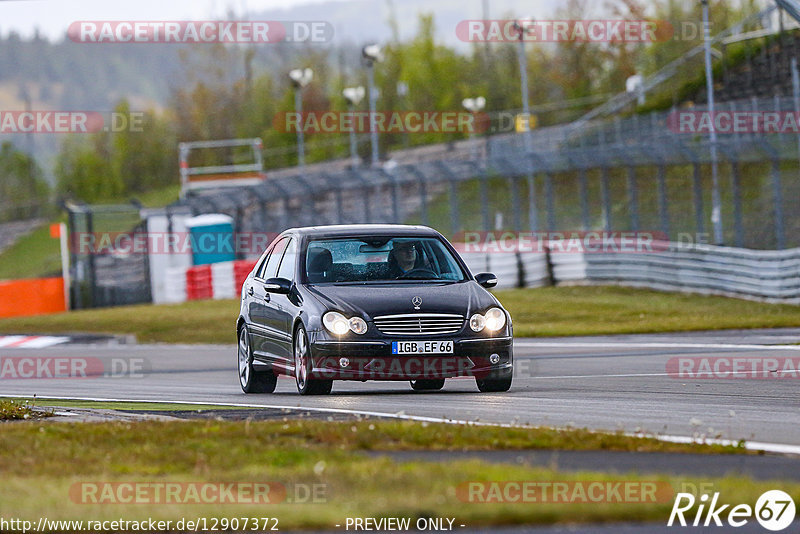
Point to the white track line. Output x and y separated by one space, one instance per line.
778 448
31 342
614 345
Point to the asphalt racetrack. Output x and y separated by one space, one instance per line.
603 383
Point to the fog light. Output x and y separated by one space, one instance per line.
344 362
494 358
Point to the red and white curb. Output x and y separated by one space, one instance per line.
31 342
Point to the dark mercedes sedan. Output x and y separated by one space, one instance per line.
370 302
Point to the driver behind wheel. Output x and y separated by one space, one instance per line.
403 258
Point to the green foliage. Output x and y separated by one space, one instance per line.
110 166
222 100
23 190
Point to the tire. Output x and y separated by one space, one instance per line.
494 383
430 384
303 366
252 381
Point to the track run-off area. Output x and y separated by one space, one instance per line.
633 383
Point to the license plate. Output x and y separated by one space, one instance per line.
422 347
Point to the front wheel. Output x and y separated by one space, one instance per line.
252 381
427 384
303 367
495 382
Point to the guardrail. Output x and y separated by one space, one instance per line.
772 276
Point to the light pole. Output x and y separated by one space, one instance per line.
523 27
354 96
716 208
300 78
372 53
474 106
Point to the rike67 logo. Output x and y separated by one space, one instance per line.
774 510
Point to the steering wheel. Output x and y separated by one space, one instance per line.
417 271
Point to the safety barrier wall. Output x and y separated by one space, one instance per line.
37 296
214 281
764 275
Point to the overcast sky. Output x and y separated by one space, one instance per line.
53 17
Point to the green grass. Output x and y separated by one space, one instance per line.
33 255
211 321
595 310
158 198
13 409
43 464
555 311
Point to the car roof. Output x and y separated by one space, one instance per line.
357 230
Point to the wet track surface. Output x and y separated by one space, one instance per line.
605 383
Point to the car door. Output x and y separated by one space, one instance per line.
280 309
264 348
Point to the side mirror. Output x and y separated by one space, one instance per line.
487 280
281 286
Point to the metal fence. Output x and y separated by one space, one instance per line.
624 174
100 277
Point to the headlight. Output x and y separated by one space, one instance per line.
495 319
358 325
336 323
477 322
339 325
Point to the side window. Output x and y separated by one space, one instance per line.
275 259
263 265
286 270
269 266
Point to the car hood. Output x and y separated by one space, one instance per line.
373 300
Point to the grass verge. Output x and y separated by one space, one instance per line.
12 409
555 311
34 255
47 468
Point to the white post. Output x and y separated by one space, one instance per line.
64 239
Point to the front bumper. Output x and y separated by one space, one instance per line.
373 360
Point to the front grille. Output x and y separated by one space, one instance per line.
420 323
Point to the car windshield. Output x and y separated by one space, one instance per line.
380 260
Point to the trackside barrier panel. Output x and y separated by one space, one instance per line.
39 296
216 281
767 275
222 280
240 271
198 283
175 285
